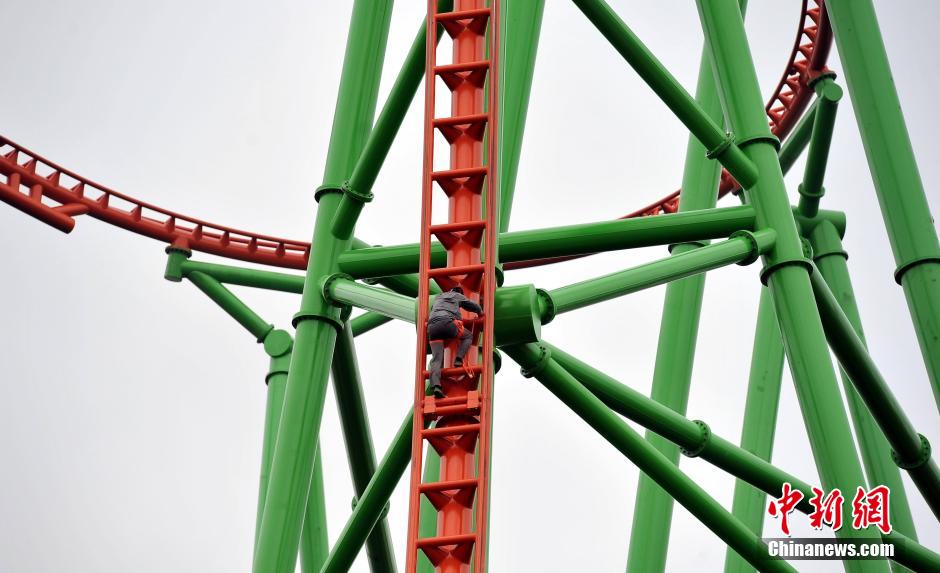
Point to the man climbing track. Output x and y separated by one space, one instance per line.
446 323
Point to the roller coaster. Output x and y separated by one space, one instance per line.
739 148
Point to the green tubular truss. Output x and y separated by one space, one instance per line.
910 226
807 305
675 351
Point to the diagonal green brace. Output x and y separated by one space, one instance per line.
786 268
696 440
719 144
911 228
830 258
372 502
317 323
675 351
911 450
760 421
357 434
536 362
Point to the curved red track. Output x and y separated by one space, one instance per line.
56 195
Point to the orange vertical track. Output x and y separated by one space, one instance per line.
458 425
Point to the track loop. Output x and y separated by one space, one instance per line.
56 195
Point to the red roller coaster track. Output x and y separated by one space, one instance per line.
55 195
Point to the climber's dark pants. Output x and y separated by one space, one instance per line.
440 331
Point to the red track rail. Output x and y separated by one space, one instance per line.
788 102
461 432
40 188
55 195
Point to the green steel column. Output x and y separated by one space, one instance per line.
347 386
786 270
894 170
536 362
362 174
317 322
520 24
278 346
910 450
372 502
811 189
314 545
314 541
760 421
675 352
831 258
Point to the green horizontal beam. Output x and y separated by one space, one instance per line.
536 362
283 282
695 441
743 248
254 278
517 307
657 77
231 304
372 502
911 450
580 239
343 291
811 190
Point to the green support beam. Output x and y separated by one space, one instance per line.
520 24
580 239
697 120
314 543
372 502
536 362
743 247
317 322
358 190
342 291
696 440
786 269
760 421
811 190
675 350
798 139
911 451
366 322
517 308
830 258
357 434
894 170
692 436
314 540
231 304
279 349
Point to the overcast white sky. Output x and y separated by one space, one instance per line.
131 408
